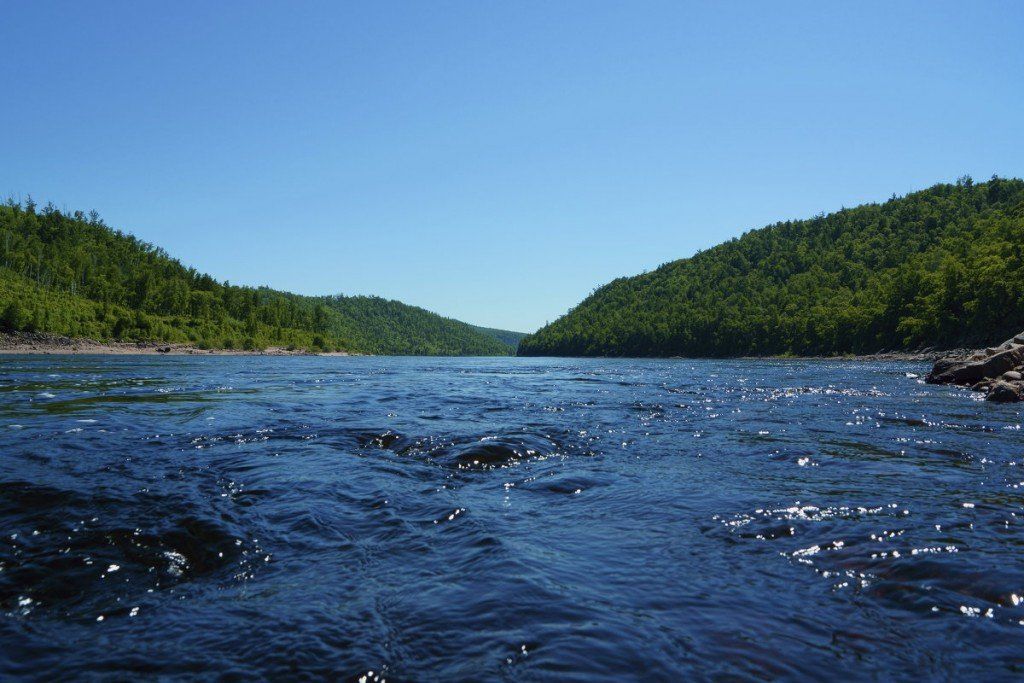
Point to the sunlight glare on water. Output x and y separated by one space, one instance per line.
402 518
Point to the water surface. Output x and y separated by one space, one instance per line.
504 518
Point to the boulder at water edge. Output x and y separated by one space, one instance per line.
998 371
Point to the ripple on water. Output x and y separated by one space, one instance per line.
75 555
890 554
327 518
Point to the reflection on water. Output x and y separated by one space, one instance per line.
504 518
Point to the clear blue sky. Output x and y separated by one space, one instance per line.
492 161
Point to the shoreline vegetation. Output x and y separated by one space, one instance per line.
940 268
918 275
70 275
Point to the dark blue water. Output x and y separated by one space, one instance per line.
505 519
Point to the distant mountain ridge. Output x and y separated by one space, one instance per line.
72 275
940 268
507 337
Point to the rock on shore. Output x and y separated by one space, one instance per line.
998 371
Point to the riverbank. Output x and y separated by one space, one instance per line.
41 343
998 371
926 356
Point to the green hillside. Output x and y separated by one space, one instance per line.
73 275
939 268
507 337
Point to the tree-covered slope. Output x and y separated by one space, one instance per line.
939 268
72 275
507 337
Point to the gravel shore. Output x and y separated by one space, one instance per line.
37 342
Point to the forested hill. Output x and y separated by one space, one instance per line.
939 268
508 337
74 276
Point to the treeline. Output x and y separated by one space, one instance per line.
508 337
940 268
72 275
